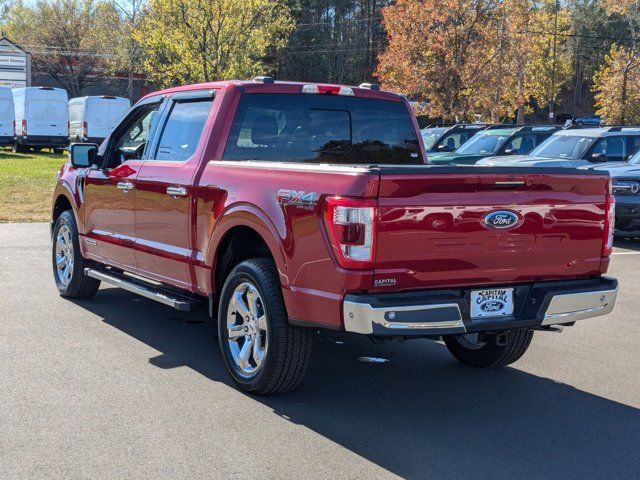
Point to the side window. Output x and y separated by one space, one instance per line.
613 148
183 129
454 140
521 144
633 145
130 138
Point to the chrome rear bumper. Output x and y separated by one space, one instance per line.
446 312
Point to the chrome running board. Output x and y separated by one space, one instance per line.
144 289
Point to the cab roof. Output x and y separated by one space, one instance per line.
253 86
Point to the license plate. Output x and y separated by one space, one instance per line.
495 302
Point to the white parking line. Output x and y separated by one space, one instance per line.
625 253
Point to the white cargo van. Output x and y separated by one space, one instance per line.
42 118
91 119
6 117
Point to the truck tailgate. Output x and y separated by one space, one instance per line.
432 230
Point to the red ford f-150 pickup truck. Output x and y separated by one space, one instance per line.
287 207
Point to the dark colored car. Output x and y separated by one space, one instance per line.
496 141
626 188
448 139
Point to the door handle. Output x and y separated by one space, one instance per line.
177 191
125 186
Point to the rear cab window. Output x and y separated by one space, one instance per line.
322 129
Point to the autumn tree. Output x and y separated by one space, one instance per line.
186 41
440 52
71 40
617 83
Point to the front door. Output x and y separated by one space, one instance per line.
164 195
110 191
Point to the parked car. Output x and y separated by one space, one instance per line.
7 117
577 148
448 139
289 207
594 120
626 188
91 119
496 141
41 118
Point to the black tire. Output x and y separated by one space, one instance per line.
491 354
288 348
17 148
79 285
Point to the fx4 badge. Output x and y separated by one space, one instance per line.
296 198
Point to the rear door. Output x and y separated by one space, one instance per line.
432 230
164 194
57 113
97 117
6 114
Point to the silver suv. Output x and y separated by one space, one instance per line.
577 147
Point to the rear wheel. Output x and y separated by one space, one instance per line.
262 351
485 351
17 148
68 263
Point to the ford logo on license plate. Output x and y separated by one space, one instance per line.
493 302
501 219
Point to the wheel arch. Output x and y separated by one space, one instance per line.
243 232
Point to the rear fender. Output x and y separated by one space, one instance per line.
244 215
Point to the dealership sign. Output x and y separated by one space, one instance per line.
14 65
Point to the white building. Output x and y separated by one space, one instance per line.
15 65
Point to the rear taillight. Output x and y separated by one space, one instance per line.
609 225
352 227
24 127
85 130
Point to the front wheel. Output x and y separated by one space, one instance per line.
485 351
68 263
262 351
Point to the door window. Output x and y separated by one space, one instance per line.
633 144
612 147
183 129
130 140
521 144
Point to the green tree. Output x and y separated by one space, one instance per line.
186 41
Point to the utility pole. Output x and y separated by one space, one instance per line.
553 67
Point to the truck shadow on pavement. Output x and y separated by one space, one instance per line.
420 415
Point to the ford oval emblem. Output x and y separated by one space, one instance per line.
501 219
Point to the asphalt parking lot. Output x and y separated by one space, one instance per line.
121 387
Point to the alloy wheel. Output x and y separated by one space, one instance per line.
64 255
247 328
